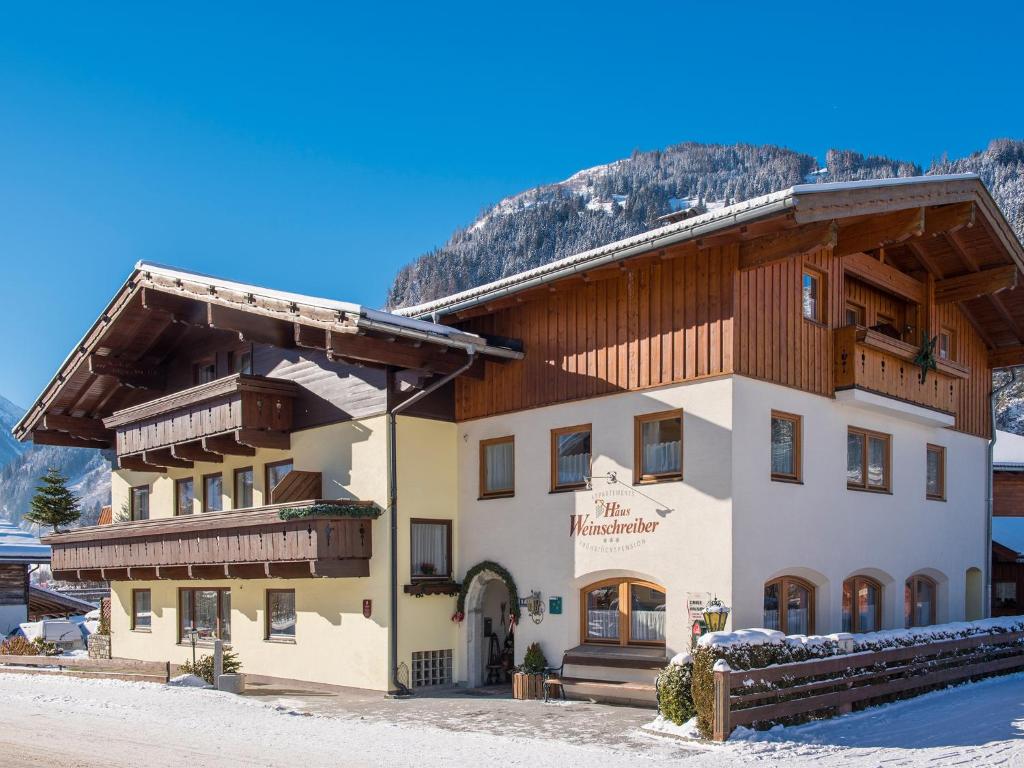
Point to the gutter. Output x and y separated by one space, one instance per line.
990 487
401 689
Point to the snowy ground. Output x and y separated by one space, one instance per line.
53 721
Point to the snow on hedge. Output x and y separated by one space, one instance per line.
868 641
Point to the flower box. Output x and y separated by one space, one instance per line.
527 685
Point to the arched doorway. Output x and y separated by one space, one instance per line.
488 605
623 611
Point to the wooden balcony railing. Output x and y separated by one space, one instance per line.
241 544
229 415
869 360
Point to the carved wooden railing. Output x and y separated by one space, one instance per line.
869 360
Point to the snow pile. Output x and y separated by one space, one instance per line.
662 726
741 637
681 659
188 681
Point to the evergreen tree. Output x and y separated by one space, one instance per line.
53 504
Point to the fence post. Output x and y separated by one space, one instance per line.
722 727
218 661
167 673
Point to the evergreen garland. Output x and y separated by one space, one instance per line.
363 511
53 504
500 572
926 357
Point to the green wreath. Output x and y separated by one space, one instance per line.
926 357
504 575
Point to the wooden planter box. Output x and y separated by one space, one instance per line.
527 686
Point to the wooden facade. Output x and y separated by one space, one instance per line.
1007 494
13 584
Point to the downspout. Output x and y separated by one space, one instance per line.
400 687
990 487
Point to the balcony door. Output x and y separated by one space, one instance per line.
623 612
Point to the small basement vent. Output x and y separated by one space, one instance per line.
431 668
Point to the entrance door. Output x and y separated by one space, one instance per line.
623 612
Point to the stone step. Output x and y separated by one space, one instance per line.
635 694
589 671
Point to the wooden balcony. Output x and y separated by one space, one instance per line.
874 362
242 544
235 414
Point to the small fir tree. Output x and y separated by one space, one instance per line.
53 504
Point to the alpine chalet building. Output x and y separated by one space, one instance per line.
783 403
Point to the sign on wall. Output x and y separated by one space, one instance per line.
613 520
695 602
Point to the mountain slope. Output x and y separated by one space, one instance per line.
10 448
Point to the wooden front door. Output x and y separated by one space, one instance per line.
623 612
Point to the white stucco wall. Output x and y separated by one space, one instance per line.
529 533
824 532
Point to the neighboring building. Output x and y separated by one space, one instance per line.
726 406
19 551
1007 524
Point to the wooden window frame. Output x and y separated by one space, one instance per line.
941 451
555 434
866 434
913 583
206 499
218 632
950 335
203 362
267 490
798 449
858 310
854 582
234 487
639 476
625 608
821 305
448 543
236 355
268 635
812 598
503 494
135 610
177 495
131 501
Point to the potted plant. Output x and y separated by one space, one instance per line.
427 569
528 680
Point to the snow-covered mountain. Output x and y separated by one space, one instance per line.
10 448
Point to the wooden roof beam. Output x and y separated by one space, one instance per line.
954 241
79 426
880 275
181 309
948 218
787 243
876 231
1006 357
195 452
250 327
345 344
226 445
129 374
43 437
164 457
263 438
137 463
974 284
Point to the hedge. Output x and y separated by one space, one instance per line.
675 691
367 511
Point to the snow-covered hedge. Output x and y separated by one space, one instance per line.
675 689
759 648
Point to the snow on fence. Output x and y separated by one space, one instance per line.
856 669
78 666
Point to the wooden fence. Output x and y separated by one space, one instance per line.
110 669
831 686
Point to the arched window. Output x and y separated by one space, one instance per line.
623 612
919 597
789 605
862 604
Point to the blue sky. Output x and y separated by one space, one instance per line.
317 148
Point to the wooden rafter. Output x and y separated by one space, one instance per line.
128 373
880 230
195 452
880 275
79 426
165 457
975 284
954 241
43 437
787 243
226 445
1006 357
948 218
137 463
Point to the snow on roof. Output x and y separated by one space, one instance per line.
18 546
1009 531
1008 453
696 226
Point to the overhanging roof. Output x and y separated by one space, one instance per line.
21 547
808 203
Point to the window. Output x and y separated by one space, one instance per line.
887 325
280 614
623 612
184 494
142 610
431 549
945 344
497 467
919 601
658 453
208 610
862 605
243 488
140 502
240 361
854 314
868 455
935 463
213 493
813 295
275 473
204 371
431 668
1004 595
787 456
570 457
789 606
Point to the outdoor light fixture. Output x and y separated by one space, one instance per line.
535 607
715 615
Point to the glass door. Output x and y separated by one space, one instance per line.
623 612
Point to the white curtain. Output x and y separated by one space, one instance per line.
603 624
647 625
771 619
661 458
796 621
429 547
499 467
573 468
